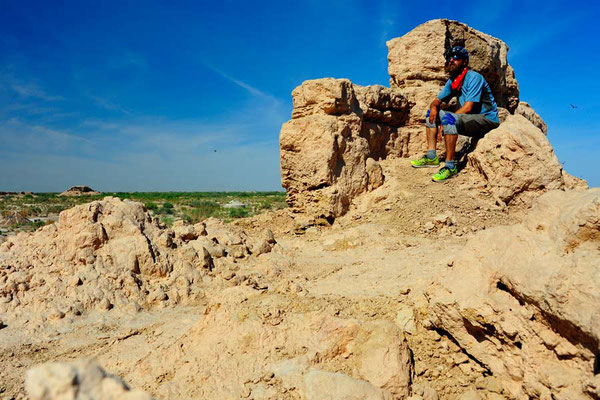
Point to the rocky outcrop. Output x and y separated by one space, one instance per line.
336 127
112 254
523 300
80 380
80 191
338 131
517 162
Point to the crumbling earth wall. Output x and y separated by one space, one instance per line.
330 147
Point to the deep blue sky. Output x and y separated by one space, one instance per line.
138 95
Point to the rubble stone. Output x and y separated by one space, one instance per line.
517 162
77 381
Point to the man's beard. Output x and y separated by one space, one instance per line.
454 70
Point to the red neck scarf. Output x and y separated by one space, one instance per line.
458 81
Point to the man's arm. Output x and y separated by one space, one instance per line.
433 110
466 108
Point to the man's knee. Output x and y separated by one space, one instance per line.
430 125
449 123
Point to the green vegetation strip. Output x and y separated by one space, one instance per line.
192 207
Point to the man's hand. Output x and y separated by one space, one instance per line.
432 115
433 110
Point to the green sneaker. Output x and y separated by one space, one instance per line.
425 162
444 173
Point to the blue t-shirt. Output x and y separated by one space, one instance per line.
474 89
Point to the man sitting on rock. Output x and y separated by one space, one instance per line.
476 116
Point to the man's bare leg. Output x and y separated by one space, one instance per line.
431 138
450 141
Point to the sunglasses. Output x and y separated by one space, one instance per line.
453 57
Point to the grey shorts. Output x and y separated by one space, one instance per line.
473 125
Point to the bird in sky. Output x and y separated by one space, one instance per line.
573 106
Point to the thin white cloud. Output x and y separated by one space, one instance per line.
47 113
170 139
251 89
59 136
234 150
108 105
389 20
31 90
253 167
167 139
238 151
15 125
387 25
21 136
